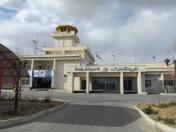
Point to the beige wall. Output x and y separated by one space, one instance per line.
77 83
61 74
156 82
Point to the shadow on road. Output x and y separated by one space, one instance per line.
94 115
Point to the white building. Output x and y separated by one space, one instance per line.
70 67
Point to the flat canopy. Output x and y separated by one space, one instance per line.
10 63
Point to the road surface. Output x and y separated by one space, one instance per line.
91 113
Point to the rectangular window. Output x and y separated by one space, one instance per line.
148 83
169 82
27 82
23 82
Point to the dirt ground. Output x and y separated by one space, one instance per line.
161 112
24 108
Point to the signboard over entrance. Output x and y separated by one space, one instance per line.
107 69
42 73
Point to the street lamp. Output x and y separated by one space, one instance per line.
170 62
167 61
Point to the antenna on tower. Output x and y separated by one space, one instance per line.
35 46
134 57
35 42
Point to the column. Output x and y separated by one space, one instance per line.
139 83
90 84
121 83
53 74
71 78
87 82
31 76
162 82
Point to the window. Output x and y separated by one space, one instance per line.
27 82
49 67
23 82
148 83
62 29
65 75
169 82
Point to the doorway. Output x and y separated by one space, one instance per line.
130 85
105 84
39 82
83 85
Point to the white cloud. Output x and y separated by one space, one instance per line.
12 4
121 26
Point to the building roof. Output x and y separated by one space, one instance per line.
9 66
66 25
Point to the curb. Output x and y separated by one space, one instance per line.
167 93
25 119
156 124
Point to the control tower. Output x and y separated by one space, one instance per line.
65 35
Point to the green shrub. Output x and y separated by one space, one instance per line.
148 110
169 121
163 105
173 103
10 113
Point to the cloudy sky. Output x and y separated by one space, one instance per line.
129 28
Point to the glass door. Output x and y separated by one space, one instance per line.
106 84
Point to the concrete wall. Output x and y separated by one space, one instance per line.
64 42
61 75
155 81
77 84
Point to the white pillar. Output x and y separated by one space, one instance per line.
162 82
90 83
87 82
53 75
139 83
71 88
121 83
31 77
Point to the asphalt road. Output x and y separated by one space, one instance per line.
92 113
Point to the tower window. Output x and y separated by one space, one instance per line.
68 29
62 30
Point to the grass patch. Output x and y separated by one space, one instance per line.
163 105
164 113
169 121
148 110
173 103
9 113
25 107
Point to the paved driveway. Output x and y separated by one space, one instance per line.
92 113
